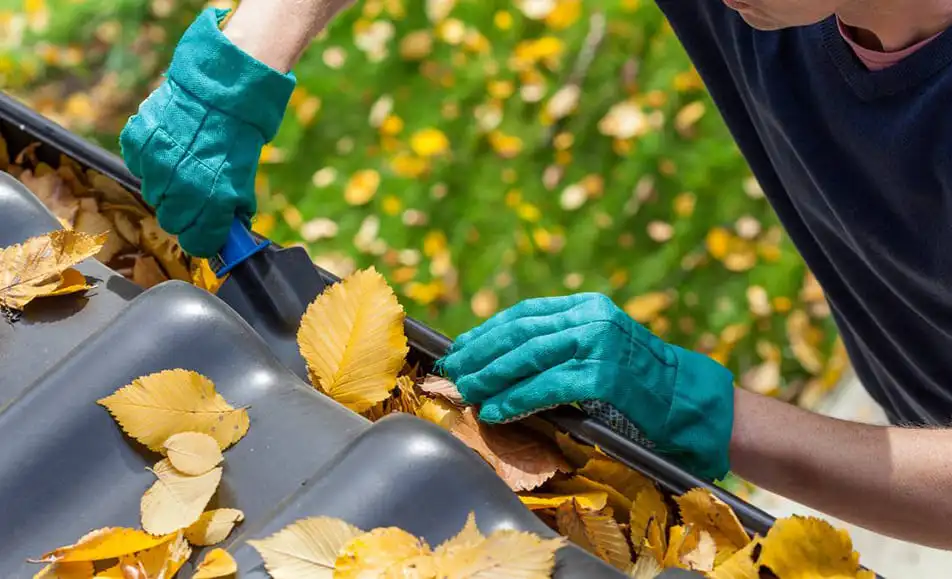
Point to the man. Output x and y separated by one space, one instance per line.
841 108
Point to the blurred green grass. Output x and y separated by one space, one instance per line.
481 152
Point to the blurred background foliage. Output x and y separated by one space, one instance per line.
479 152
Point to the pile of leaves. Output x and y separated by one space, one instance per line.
87 201
551 146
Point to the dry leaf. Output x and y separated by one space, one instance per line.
577 454
35 268
106 543
646 568
155 407
112 192
73 281
93 223
521 458
701 558
176 500
681 540
503 555
655 542
372 554
52 191
596 532
439 386
619 503
163 561
352 339
126 223
405 397
440 412
79 570
592 500
740 565
213 526
147 273
164 248
706 512
193 453
305 549
204 277
217 563
618 476
467 538
807 548
648 505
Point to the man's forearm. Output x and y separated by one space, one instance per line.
895 481
276 32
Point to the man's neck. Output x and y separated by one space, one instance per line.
891 25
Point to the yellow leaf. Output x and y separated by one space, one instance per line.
429 143
645 308
646 568
213 526
372 554
106 543
706 512
155 407
176 500
203 276
740 565
619 503
442 387
595 500
798 329
164 248
35 267
701 557
576 453
305 549
352 339
78 570
73 281
416 45
162 561
440 412
92 222
193 453
467 538
521 458
681 539
596 532
655 542
217 563
807 548
503 555
147 273
362 187
616 475
648 505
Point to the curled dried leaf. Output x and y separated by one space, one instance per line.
176 500
213 526
440 386
105 543
217 563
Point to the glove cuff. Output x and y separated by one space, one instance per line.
207 65
701 419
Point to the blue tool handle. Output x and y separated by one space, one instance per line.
239 246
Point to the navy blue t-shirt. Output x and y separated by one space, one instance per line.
858 166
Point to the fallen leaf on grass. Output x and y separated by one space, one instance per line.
596 532
176 500
105 543
213 526
522 459
352 339
305 549
155 407
193 453
217 563
595 500
439 386
36 267
806 547
372 554
706 512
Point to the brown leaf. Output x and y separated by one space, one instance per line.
523 460
125 223
52 191
94 223
112 192
36 267
596 532
164 248
439 386
147 273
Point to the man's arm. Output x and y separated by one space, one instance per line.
895 481
277 32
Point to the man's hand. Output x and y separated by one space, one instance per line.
546 352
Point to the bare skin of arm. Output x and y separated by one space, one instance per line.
894 481
277 32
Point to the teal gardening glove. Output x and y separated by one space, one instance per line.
196 140
547 352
